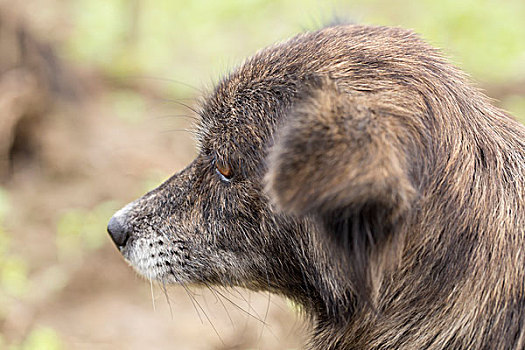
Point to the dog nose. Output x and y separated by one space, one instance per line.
118 233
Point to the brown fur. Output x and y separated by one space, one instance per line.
371 184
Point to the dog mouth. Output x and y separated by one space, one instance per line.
162 263
154 257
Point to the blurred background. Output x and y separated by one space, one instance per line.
96 100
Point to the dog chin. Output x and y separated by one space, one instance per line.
140 260
155 269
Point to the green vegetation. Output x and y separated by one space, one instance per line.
128 106
40 338
483 37
80 231
13 269
190 42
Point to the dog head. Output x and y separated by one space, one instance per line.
308 166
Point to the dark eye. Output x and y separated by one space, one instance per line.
224 170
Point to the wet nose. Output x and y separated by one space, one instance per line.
117 232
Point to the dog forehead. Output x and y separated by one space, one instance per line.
248 104
235 133
241 113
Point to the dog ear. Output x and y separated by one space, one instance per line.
341 159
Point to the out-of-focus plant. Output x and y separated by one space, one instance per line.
13 269
485 37
80 231
175 39
190 41
14 284
41 338
516 104
128 105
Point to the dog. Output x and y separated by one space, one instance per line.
356 172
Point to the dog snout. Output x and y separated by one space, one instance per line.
117 231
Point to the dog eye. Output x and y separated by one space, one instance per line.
224 170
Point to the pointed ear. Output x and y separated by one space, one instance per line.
341 159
